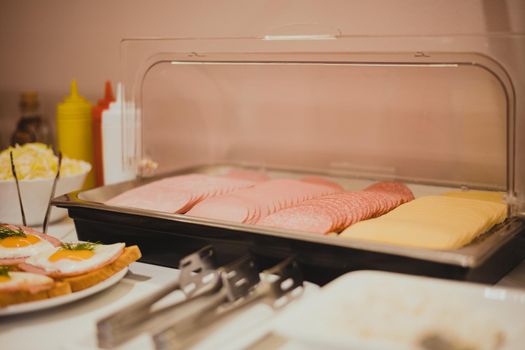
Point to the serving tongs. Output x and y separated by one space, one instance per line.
13 170
275 287
52 194
198 275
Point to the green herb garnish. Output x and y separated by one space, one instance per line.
8 232
4 271
79 246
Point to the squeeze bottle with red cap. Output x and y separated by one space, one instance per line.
74 126
103 104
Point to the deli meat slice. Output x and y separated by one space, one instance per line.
54 241
393 188
33 269
322 181
249 205
178 194
308 218
29 231
12 261
335 212
246 174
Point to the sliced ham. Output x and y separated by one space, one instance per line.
178 194
335 212
29 231
322 181
246 174
54 241
12 261
32 268
250 205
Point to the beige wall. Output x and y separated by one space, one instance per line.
44 44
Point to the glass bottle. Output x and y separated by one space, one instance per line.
31 127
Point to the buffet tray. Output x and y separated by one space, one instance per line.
164 238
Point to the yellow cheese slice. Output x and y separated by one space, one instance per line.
432 222
498 197
403 233
495 197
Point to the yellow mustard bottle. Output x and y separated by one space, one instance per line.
74 130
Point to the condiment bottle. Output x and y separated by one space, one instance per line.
74 129
102 105
31 127
112 140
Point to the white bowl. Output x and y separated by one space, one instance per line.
35 197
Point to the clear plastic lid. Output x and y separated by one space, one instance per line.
440 110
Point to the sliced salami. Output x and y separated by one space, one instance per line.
392 187
307 218
335 212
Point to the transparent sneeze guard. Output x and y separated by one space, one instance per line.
433 111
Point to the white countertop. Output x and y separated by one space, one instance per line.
72 325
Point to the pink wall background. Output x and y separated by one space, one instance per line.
45 44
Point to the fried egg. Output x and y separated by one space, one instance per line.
62 262
20 246
18 281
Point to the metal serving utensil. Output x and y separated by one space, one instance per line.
238 278
52 194
17 188
279 285
197 275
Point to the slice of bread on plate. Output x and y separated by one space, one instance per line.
20 287
89 279
69 268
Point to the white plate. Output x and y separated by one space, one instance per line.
64 299
380 310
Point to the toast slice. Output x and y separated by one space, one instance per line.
10 298
89 279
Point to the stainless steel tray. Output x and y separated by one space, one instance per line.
471 256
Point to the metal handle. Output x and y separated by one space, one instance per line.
112 333
277 289
169 337
197 276
53 188
13 170
185 334
135 312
